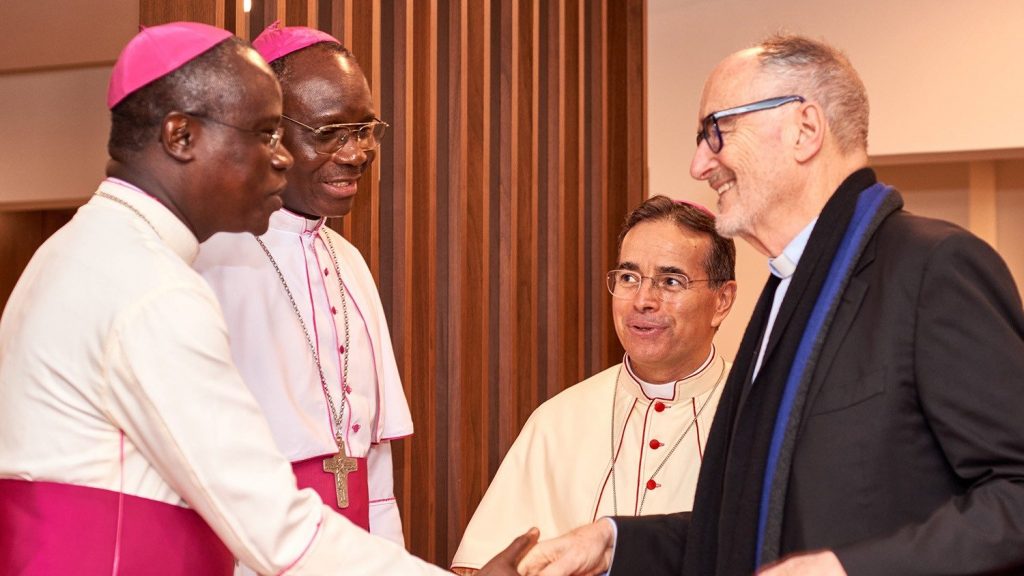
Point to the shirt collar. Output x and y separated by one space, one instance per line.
784 264
287 221
693 384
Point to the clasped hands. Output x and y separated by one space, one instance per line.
584 551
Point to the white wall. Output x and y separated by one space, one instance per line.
55 60
942 75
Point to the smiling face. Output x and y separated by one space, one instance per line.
324 87
667 341
752 172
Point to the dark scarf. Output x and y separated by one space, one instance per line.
737 516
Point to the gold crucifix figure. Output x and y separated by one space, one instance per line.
340 465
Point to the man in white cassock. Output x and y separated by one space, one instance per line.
308 331
128 442
629 440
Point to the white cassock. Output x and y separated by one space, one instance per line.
559 472
273 355
116 374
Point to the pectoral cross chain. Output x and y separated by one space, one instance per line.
340 465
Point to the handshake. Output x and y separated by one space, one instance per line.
584 551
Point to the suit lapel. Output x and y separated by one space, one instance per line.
846 313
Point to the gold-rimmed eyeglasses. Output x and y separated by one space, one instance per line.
330 138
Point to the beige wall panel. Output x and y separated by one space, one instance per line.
933 190
55 125
61 33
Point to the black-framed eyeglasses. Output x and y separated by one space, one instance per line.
333 137
709 131
270 137
625 284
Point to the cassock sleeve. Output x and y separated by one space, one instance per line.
517 499
384 519
969 371
179 399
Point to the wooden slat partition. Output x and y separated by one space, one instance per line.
490 216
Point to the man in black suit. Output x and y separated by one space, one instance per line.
872 423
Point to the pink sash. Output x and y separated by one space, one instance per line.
310 474
49 528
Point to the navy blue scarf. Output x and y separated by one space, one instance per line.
737 517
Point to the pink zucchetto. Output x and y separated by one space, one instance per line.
277 41
157 51
700 207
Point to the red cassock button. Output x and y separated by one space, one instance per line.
335 311
327 272
655 444
659 406
651 484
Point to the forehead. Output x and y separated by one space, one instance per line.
327 85
260 93
737 80
660 244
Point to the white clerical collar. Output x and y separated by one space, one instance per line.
287 221
784 264
666 390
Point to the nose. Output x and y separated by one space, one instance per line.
646 297
351 153
703 162
281 158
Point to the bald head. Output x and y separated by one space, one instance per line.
781 125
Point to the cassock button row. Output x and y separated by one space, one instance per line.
655 444
651 484
659 406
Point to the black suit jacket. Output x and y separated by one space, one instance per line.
909 458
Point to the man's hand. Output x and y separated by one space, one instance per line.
822 563
585 551
504 564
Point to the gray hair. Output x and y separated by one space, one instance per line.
824 74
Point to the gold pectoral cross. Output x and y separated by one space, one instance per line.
340 465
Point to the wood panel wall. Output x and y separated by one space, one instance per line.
490 216
21 233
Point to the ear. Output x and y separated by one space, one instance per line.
810 131
725 296
178 134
